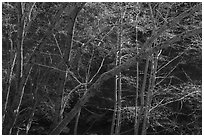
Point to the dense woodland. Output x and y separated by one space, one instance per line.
101 68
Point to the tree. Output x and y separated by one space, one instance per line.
25 19
116 122
126 65
57 58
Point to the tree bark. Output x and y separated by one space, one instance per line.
137 78
119 91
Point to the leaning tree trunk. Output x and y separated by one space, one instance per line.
73 10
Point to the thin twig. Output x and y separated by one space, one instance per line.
167 74
58 45
50 67
170 62
97 70
174 100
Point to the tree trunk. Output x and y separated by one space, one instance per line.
150 92
137 80
115 128
77 122
72 14
36 82
115 109
59 98
118 122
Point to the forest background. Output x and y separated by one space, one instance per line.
102 68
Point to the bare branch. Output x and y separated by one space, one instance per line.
58 46
105 76
97 70
160 105
168 74
172 23
170 62
50 67
181 36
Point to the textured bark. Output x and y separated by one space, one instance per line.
114 119
59 98
137 78
146 68
119 88
136 100
140 115
150 93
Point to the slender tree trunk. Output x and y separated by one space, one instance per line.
115 108
140 115
8 83
59 99
136 100
77 122
151 79
115 113
137 79
35 100
120 31
150 92
115 129
73 12
147 104
118 122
